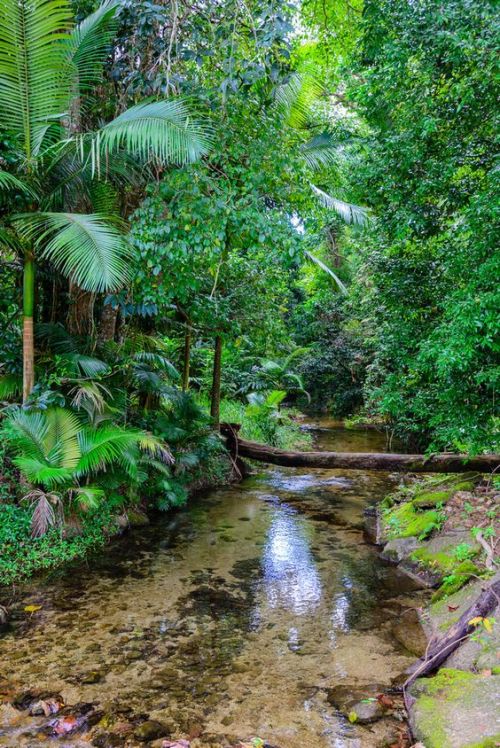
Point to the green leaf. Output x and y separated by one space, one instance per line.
34 82
86 248
163 130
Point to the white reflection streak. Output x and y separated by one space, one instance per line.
291 580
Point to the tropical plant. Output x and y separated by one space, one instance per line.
64 459
47 66
268 374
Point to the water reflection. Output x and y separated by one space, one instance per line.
290 579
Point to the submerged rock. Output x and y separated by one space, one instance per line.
150 730
366 711
408 631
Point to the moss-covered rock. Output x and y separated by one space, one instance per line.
454 708
406 521
433 498
456 579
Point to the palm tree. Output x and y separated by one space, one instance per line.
47 65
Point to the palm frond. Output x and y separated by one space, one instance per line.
160 130
86 366
349 212
87 248
158 361
38 471
103 446
155 447
320 151
328 270
10 386
297 96
90 42
10 183
26 432
61 440
47 511
88 497
34 84
90 397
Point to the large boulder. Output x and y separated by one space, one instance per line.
456 709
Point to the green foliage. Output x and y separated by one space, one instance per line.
23 556
428 281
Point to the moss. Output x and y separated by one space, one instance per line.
434 498
486 743
439 561
405 521
450 680
459 576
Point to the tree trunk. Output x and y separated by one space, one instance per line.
28 332
107 326
186 358
81 311
440 463
216 377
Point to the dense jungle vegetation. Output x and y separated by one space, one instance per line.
233 211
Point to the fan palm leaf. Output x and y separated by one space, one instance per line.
86 248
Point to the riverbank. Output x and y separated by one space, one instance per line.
442 534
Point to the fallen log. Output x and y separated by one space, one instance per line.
411 463
441 648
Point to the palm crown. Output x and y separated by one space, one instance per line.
46 66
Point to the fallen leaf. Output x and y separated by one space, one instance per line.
352 717
475 621
451 608
385 701
32 608
175 744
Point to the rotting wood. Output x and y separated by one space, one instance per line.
410 463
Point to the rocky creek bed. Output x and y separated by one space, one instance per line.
259 615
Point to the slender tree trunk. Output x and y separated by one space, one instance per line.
28 332
186 358
107 326
216 377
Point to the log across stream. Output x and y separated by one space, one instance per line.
411 463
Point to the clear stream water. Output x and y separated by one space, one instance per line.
233 618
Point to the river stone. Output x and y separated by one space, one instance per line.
150 730
455 709
408 631
372 526
398 549
364 712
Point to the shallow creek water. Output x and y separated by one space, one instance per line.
230 619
